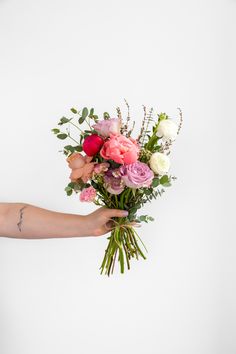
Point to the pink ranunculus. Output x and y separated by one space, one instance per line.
136 175
100 168
108 127
88 194
120 149
113 182
82 167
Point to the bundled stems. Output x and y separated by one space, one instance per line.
123 242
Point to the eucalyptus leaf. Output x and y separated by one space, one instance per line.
55 130
155 182
62 136
69 148
85 112
91 112
106 115
63 120
164 179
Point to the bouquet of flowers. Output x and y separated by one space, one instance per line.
113 169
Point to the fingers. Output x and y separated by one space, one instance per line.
116 213
109 225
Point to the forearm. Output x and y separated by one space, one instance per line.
22 220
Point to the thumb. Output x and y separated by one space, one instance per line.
116 213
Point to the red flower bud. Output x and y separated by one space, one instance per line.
92 144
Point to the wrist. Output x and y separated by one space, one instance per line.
81 226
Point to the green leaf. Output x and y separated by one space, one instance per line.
155 182
148 191
84 115
84 112
142 217
168 184
68 190
106 115
91 112
55 130
78 148
69 148
63 120
71 184
62 136
162 116
73 110
164 179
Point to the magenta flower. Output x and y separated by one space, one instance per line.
113 182
136 175
107 127
88 194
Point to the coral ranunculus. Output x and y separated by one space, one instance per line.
120 149
81 166
92 144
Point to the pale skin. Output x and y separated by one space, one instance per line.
26 221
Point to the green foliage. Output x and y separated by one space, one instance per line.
95 117
145 218
64 120
73 110
69 190
62 136
165 181
155 182
76 187
71 149
55 130
85 112
91 113
162 116
106 115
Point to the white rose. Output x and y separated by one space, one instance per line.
159 163
168 129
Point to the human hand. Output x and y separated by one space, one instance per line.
99 222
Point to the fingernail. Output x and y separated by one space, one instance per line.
125 212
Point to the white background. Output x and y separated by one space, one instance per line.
165 54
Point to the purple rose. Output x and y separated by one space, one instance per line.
107 127
136 175
113 181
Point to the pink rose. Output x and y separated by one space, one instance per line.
88 194
81 166
108 127
136 175
120 149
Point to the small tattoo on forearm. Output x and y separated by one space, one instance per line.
21 217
